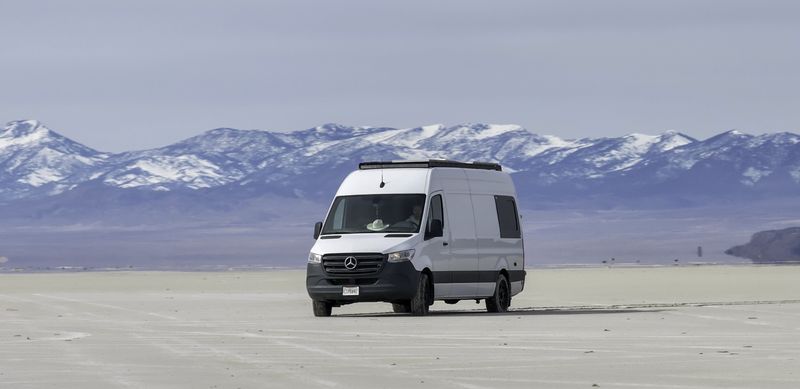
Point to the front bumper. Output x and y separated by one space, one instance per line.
393 283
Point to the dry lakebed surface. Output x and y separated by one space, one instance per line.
634 327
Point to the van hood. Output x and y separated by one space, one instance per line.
363 243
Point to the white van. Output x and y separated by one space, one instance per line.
409 233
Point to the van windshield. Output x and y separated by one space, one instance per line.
375 213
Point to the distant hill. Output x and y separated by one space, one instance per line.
771 246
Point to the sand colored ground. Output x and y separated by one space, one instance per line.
673 327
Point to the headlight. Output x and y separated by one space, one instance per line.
401 256
314 258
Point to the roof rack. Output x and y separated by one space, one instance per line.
431 163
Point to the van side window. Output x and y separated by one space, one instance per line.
435 213
507 217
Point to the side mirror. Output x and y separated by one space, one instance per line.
434 229
317 229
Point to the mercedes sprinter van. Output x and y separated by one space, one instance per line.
409 233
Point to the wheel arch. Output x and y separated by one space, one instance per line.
504 272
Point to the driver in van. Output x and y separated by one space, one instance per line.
416 215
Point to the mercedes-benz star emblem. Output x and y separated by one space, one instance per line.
350 263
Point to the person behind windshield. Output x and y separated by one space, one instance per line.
416 215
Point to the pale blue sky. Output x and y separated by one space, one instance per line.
137 74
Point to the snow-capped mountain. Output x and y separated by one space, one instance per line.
745 159
37 162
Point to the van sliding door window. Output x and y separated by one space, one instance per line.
435 213
507 217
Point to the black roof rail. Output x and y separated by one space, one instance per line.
431 163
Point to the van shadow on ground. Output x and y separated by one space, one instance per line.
518 312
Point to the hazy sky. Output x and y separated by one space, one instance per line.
126 75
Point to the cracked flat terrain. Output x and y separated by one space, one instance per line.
667 327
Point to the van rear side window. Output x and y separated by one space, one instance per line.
507 217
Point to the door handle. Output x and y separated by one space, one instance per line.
445 243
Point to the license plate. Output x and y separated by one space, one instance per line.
349 291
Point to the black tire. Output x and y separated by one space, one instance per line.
322 308
401 308
501 299
451 301
420 301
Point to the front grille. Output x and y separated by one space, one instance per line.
368 263
352 281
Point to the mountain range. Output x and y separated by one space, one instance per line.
231 197
670 169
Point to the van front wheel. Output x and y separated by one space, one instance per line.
322 308
501 299
419 303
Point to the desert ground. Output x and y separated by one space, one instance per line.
634 327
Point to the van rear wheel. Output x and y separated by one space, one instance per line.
401 308
322 308
501 299
422 297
